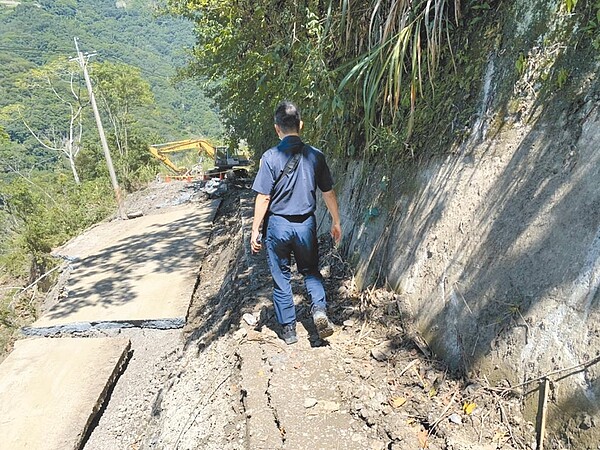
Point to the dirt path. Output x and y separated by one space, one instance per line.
224 383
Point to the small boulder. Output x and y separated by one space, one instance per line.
310 402
250 319
455 418
383 351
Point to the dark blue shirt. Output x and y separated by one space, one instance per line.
295 193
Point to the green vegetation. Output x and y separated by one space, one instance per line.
521 64
354 67
562 77
570 5
39 211
53 175
592 26
36 33
370 76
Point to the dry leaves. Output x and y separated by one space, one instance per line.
422 436
397 402
468 408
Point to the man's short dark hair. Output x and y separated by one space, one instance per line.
287 116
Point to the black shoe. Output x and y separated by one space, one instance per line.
289 333
322 323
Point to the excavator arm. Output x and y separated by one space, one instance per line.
161 151
166 161
219 155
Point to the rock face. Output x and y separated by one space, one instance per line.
495 247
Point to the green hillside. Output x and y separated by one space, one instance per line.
53 176
36 33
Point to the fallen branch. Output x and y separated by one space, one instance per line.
32 285
505 420
408 367
543 413
360 335
584 365
267 340
463 297
483 417
441 417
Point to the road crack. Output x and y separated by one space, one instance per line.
272 407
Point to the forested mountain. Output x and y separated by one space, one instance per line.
34 34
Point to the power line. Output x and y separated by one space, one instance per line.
31 49
40 52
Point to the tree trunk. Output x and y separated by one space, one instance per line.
74 170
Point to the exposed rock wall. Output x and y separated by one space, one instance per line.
495 247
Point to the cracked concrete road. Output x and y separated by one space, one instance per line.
51 389
292 396
220 384
122 274
128 273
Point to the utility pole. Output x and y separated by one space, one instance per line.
111 169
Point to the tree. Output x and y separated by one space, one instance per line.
121 89
126 96
13 157
62 79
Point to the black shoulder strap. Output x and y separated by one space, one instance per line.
289 168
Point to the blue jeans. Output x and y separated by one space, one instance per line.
283 239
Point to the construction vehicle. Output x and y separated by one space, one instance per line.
218 155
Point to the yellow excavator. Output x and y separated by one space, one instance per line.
219 155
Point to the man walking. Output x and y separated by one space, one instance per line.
286 186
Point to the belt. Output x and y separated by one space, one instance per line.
295 218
